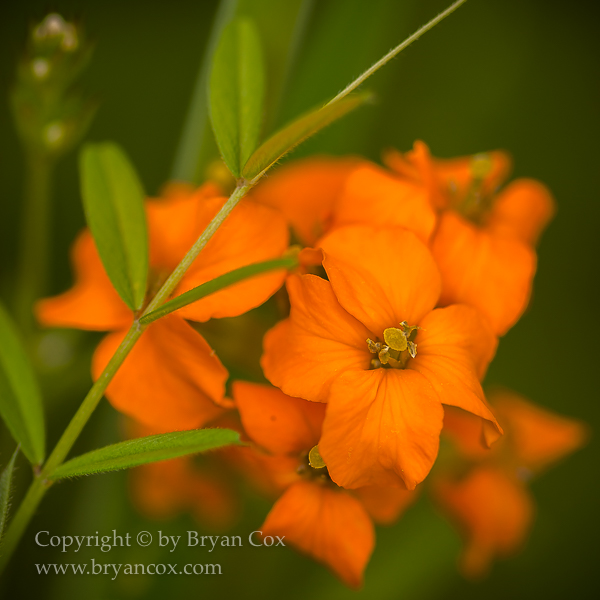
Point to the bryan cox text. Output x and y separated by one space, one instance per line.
74 543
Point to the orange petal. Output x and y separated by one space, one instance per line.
381 428
92 303
417 165
448 180
158 489
305 192
494 513
482 270
405 164
279 423
455 175
252 233
538 437
381 276
268 474
327 524
162 490
320 340
454 346
170 380
386 504
522 210
465 431
176 221
373 197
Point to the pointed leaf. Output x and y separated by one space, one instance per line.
236 93
154 448
196 146
113 199
297 131
216 284
20 397
5 489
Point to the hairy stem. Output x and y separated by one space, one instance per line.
33 261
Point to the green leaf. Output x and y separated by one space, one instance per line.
196 142
5 489
20 397
154 448
216 284
236 93
113 199
280 143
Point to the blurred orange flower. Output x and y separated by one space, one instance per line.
172 379
163 490
370 344
490 501
484 242
318 195
316 516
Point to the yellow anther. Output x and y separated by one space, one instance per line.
481 165
374 347
315 460
395 338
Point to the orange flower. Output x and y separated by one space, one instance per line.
370 344
484 241
322 194
450 181
490 502
163 490
195 484
172 379
305 191
327 523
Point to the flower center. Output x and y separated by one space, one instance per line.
313 467
397 349
478 200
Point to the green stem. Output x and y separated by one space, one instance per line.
32 268
19 523
216 284
394 51
40 483
169 286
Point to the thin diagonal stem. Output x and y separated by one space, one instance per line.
394 51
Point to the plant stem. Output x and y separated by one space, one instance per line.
165 291
20 521
394 51
40 483
33 262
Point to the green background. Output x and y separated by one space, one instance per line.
515 74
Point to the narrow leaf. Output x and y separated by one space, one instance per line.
5 490
280 143
154 448
20 397
216 284
195 135
113 199
236 93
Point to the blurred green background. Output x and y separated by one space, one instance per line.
515 74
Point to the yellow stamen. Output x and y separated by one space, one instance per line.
315 460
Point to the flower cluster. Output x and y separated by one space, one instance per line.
408 277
